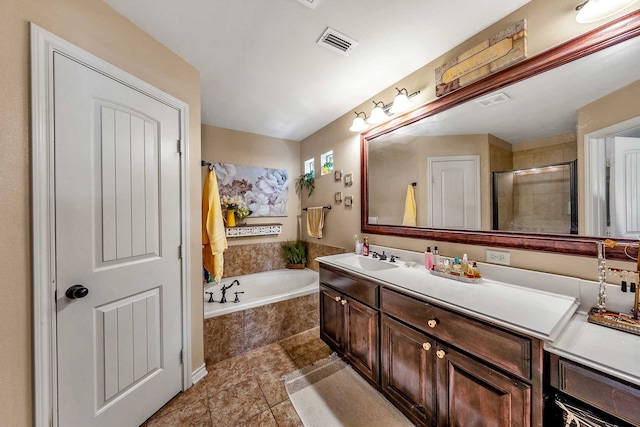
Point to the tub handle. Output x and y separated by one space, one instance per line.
237 299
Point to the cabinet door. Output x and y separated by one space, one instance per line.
408 370
473 394
331 318
361 338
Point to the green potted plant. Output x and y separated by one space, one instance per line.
295 254
306 181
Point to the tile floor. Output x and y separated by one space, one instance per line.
245 391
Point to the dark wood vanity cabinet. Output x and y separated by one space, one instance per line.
349 326
439 367
409 370
456 371
471 393
599 390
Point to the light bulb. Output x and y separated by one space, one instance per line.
358 125
377 116
400 104
595 10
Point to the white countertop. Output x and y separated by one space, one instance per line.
607 350
533 312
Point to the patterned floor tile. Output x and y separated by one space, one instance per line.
237 404
246 390
195 414
265 419
286 415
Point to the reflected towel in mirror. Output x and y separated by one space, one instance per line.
409 207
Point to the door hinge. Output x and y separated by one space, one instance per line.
180 252
179 147
182 355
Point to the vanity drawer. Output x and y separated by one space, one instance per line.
353 286
502 349
599 390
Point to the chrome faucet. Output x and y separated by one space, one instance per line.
224 290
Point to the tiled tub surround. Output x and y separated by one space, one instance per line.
254 258
315 250
233 334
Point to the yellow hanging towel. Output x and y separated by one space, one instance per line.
213 234
409 208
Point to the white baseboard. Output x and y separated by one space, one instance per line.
199 373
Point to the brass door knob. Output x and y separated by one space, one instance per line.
338 298
432 323
440 354
344 301
426 346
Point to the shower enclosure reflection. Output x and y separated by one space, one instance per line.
538 199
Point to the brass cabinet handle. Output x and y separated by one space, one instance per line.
338 298
426 346
344 301
432 323
440 354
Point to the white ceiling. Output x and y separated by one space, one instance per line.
539 107
262 71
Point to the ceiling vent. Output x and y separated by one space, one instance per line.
337 42
310 3
492 100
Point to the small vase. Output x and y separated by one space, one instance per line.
231 218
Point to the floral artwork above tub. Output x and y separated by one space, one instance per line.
263 190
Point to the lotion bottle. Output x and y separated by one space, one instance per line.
428 259
365 246
436 259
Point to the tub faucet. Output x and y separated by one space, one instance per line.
224 290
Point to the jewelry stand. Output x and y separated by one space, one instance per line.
599 315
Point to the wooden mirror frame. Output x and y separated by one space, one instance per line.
610 34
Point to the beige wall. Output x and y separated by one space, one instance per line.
549 23
248 149
614 108
97 28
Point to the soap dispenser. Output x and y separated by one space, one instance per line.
428 259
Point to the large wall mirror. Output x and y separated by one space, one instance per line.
544 155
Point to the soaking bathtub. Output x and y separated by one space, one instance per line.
260 289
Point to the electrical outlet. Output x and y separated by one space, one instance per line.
498 257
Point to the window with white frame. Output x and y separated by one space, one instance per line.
309 166
326 160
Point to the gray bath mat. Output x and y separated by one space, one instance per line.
331 394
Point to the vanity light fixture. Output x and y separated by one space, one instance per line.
595 10
401 102
359 123
381 111
378 113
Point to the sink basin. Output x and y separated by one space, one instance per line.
368 264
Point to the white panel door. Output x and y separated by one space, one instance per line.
625 187
454 196
117 234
